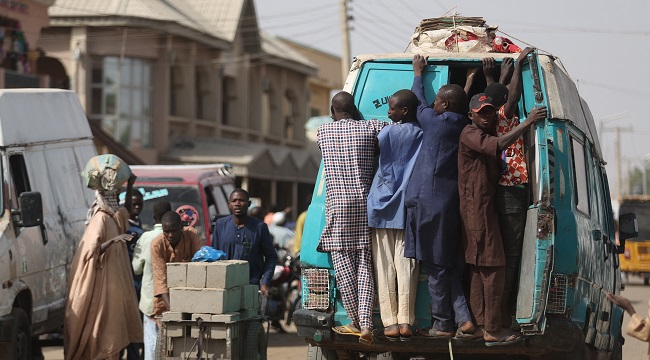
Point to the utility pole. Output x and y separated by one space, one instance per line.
345 38
618 130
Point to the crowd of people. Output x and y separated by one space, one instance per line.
449 193
102 320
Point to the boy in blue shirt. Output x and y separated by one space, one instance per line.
395 274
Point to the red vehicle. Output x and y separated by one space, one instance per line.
198 192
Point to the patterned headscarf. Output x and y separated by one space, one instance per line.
105 201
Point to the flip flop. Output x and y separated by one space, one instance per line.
432 334
506 340
366 339
346 330
460 334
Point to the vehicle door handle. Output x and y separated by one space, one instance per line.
44 234
596 235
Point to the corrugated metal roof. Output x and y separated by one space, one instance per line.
218 18
264 161
274 46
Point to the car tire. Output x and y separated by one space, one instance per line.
20 346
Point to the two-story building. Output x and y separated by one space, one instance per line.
191 81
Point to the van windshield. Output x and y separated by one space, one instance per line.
179 196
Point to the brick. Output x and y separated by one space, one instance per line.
217 330
205 301
176 274
175 316
226 318
249 294
196 273
226 274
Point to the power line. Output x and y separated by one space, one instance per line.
367 30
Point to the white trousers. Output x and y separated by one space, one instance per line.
396 276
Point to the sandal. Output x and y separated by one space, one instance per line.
433 334
394 332
346 330
365 337
508 339
405 332
469 333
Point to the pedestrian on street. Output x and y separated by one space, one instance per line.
101 314
638 327
142 266
244 237
175 244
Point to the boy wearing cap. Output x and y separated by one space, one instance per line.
478 174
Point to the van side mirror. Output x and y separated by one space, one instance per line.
30 209
628 228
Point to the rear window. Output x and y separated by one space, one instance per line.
177 195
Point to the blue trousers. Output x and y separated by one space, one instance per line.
448 304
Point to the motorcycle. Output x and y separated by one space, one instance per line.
285 290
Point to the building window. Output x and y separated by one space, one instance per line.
121 99
289 114
204 107
229 101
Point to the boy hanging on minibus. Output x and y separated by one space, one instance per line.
512 193
396 275
478 174
432 207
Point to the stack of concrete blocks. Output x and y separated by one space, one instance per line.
219 294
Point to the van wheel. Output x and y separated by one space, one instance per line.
20 347
318 353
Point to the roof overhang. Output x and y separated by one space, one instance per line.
169 27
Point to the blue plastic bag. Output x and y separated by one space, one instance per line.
208 254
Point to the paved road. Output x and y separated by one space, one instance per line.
281 347
638 295
290 347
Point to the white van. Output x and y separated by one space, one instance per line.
45 141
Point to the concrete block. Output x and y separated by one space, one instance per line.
248 313
175 316
174 330
226 318
203 316
176 274
226 274
217 331
248 295
205 301
196 273
212 348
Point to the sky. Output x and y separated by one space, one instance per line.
604 46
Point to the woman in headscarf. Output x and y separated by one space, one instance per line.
101 315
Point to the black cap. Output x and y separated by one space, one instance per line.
479 101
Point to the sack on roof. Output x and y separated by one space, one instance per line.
458 34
